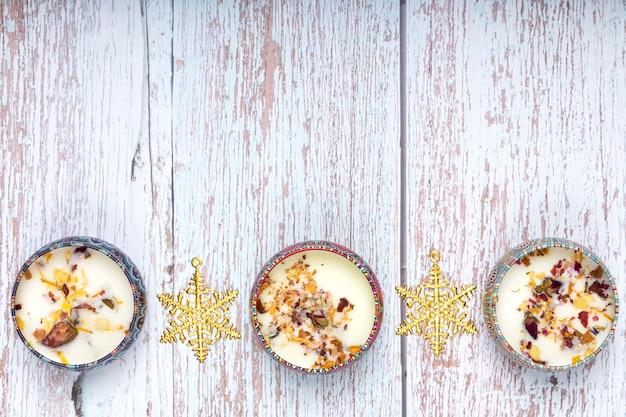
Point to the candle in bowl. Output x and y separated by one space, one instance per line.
78 303
551 304
316 307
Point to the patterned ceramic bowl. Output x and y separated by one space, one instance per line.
78 303
316 307
551 304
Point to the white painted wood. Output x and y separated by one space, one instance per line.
225 132
72 87
285 129
515 131
228 130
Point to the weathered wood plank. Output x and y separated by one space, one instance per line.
515 131
72 87
286 129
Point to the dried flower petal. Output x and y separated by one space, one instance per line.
599 288
597 273
530 323
39 334
587 338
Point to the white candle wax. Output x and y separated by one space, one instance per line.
316 309
555 307
82 291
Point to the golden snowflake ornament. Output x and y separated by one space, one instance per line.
435 308
200 319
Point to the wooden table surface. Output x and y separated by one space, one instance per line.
230 129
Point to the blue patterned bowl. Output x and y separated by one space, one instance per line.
78 303
316 307
550 304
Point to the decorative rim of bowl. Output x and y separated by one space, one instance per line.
320 245
132 274
490 295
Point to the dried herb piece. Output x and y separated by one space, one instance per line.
61 334
108 302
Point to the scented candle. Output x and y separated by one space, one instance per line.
552 303
316 307
75 305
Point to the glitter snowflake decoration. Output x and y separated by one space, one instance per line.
434 308
199 320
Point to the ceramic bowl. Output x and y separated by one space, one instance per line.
551 304
316 307
78 303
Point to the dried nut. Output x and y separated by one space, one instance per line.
343 303
320 321
62 333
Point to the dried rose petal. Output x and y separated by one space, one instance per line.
61 333
583 316
599 288
554 286
530 323
65 290
568 342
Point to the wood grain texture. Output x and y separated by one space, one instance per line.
229 130
515 130
71 119
285 127
225 131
